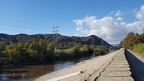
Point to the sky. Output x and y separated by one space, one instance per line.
111 20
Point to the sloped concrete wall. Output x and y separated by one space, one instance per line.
137 66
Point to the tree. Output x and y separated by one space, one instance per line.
3 58
76 49
40 51
85 49
36 50
33 50
50 56
142 38
130 40
14 51
2 46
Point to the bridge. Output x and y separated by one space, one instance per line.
121 65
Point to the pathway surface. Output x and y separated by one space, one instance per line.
117 70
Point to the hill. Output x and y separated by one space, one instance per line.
60 39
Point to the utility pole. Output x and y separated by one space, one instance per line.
55 30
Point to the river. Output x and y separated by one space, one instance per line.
30 73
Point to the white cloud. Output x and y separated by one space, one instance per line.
133 11
140 13
110 28
118 13
136 27
107 28
119 18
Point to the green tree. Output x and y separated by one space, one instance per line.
14 51
85 49
33 50
142 38
50 56
76 49
3 58
2 46
130 40
36 50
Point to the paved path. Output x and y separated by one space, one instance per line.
117 70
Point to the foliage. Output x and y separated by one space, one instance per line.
139 47
13 52
100 51
31 52
130 40
85 49
78 50
142 38
40 51
134 42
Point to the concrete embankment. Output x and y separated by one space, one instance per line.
136 64
81 71
111 67
117 70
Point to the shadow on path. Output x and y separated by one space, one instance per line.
137 66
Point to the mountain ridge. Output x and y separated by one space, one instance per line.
60 39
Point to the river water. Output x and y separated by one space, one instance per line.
30 73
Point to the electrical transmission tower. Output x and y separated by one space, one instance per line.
55 35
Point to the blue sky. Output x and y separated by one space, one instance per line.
108 19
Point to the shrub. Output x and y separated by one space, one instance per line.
139 47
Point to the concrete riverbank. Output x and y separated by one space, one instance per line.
137 65
80 71
121 65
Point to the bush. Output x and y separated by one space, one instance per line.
66 54
100 51
139 47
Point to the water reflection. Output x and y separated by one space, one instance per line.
27 73
3 77
60 65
